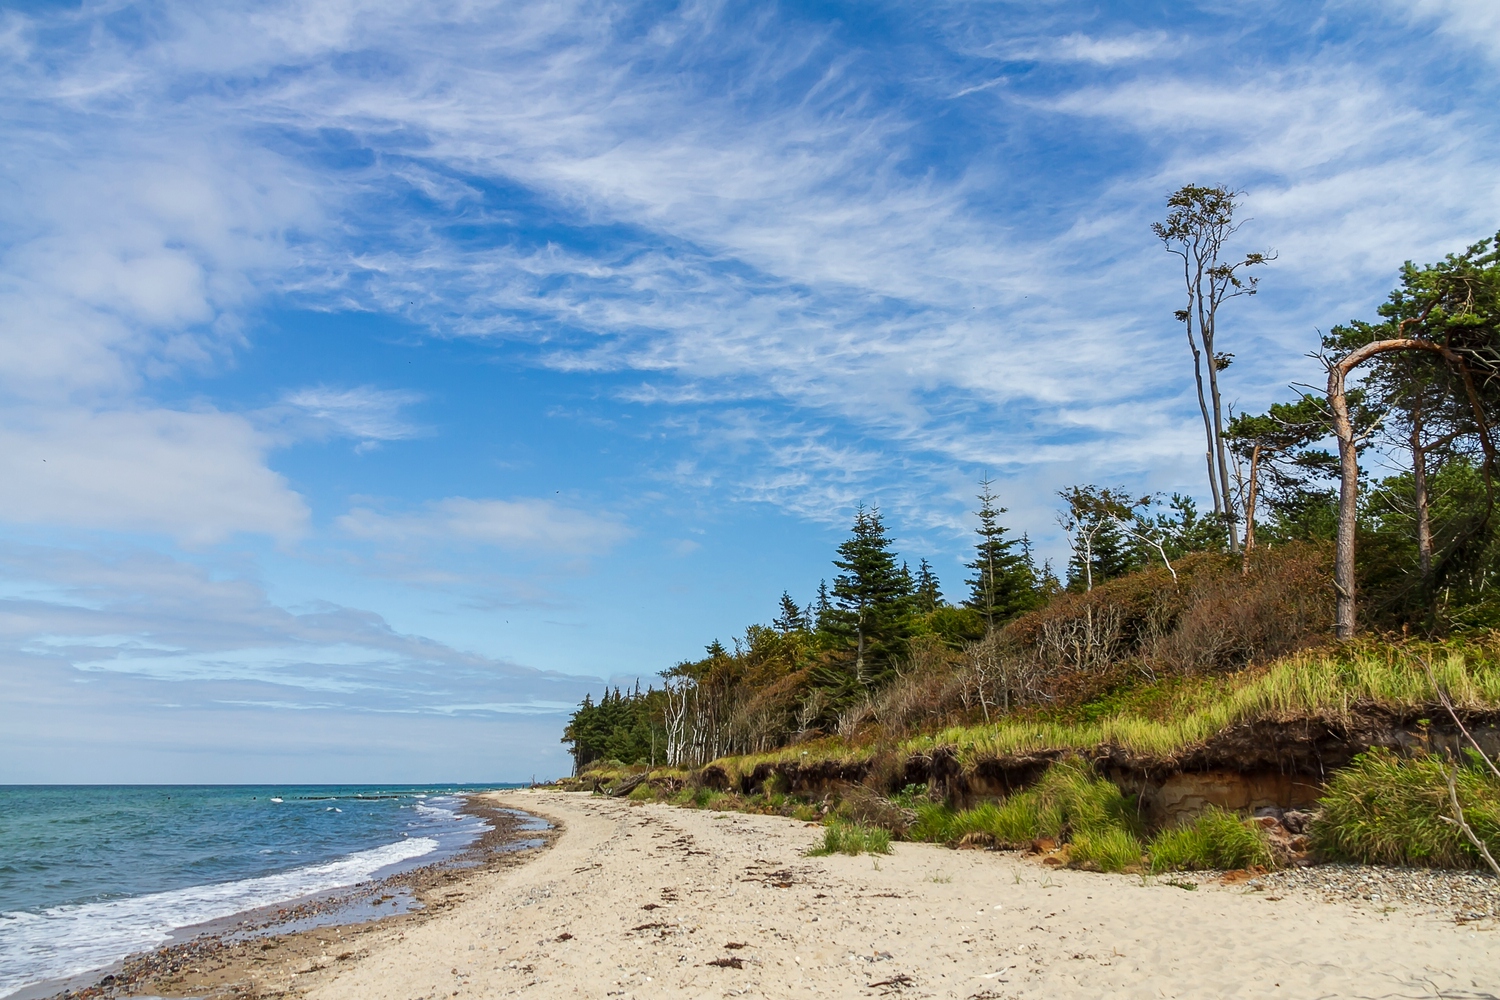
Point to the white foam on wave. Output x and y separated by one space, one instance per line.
68 940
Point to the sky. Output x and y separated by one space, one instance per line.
377 378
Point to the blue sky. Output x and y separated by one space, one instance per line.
376 378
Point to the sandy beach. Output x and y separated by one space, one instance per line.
655 901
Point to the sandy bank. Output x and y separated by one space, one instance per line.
654 901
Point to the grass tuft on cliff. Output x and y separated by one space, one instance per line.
1169 718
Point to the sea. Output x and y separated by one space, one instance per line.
91 874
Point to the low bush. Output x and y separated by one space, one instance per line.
1111 850
1216 839
1387 809
842 837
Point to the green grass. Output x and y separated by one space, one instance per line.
1112 850
1324 682
1068 802
1385 809
843 837
1215 839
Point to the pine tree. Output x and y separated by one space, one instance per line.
822 608
791 618
1005 581
872 598
929 596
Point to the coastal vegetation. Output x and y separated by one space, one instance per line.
1035 703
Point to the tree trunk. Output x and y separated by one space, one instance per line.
1218 446
1250 492
1424 514
1208 426
1343 560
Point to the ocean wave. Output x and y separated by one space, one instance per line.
69 940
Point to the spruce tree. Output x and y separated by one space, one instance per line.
791 618
871 599
929 596
1005 581
822 608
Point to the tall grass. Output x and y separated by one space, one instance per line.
1107 850
1327 683
1215 839
1068 800
1385 809
843 837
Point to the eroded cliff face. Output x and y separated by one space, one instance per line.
1272 764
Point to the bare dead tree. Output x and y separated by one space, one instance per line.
1198 226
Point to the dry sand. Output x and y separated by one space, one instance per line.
642 900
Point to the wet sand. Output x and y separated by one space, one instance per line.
653 901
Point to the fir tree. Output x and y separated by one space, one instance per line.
1005 581
872 598
791 617
929 596
822 608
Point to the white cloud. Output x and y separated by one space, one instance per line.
528 525
215 638
1468 23
368 414
1110 50
199 477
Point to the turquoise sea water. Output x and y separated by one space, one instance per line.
91 874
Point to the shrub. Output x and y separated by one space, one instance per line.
1216 839
841 837
1386 809
643 792
1111 850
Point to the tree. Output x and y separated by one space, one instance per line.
871 598
1199 224
1096 521
1278 446
928 596
790 617
1451 310
1005 581
822 608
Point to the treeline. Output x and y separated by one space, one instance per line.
853 652
1152 585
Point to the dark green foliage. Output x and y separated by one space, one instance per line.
1005 581
872 606
1386 809
928 596
790 618
619 727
